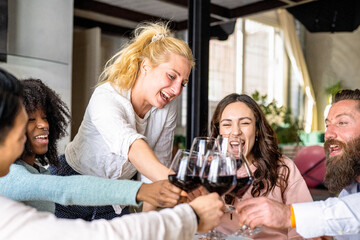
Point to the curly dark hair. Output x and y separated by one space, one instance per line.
271 170
39 96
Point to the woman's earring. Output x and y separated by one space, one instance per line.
256 138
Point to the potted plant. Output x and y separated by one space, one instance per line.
286 126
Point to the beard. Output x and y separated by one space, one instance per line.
343 169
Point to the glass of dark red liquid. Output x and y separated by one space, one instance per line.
232 147
183 171
218 174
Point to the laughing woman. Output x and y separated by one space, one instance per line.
275 175
30 183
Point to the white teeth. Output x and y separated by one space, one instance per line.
333 146
42 136
166 95
237 143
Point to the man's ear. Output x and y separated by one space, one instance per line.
145 66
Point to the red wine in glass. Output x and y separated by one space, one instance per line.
188 183
244 180
181 172
218 174
221 184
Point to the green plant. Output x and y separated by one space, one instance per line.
280 119
332 89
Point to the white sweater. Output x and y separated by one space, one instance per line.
110 126
18 222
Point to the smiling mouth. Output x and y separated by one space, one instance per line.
42 138
235 145
164 96
334 149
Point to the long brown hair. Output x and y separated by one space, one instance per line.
270 170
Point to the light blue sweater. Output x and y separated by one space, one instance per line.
41 190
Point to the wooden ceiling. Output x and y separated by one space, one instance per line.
120 17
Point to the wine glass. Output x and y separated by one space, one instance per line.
232 147
244 177
199 147
218 174
181 172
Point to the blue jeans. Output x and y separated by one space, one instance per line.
87 213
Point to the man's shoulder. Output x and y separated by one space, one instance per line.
350 189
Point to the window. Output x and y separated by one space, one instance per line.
252 59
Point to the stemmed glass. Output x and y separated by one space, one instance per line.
244 180
232 145
218 174
199 147
181 172
185 167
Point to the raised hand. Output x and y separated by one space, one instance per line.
262 211
209 209
160 193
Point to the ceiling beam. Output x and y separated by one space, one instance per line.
214 9
105 27
118 12
255 8
113 11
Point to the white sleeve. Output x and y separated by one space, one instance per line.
332 217
22 222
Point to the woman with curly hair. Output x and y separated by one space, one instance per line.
129 123
47 122
44 108
275 175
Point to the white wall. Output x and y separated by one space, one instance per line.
40 44
332 57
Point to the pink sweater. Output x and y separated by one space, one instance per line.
297 191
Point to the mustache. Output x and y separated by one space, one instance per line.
330 142
342 169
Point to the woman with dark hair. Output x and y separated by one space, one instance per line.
275 175
48 119
42 102
22 222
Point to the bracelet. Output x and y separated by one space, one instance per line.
292 217
197 216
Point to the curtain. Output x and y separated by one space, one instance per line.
293 48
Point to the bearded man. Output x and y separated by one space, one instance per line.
338 216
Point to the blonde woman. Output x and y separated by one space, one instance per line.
23 222
130 120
